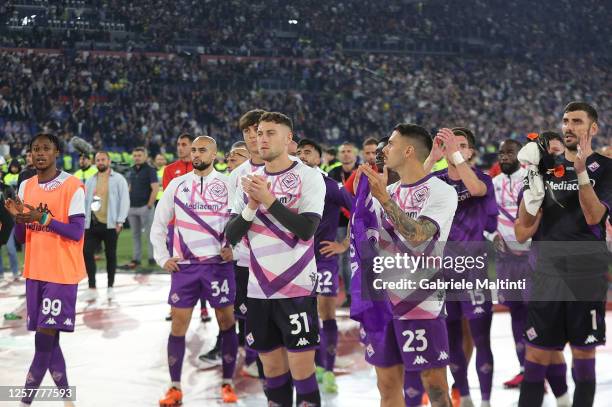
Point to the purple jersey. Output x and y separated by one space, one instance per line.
336 197
474 214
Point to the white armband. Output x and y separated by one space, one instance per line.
457 158
248 214
583 178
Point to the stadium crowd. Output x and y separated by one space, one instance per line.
120 103
306 28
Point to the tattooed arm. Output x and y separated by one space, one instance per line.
415 231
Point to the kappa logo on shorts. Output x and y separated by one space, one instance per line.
57 376
228 358
172 360
303 342
68 322
590 339
420 360
175 298
531 333
443 356
223 300
243 308
479 310
249 338
50 321
370 350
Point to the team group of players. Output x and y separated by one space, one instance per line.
259 246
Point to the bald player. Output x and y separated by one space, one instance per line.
199 260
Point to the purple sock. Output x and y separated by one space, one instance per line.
229 349
413 389
279 390
57 365
329 342
250 356
176 353
318 361
583 370
458 363
481 333
534 372
43 345
307 391
518 314
556 376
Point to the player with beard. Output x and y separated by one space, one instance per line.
54 225
279 207
199 260
326 255
476 213
570 282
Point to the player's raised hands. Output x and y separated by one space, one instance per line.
33 215
14 206
584 151
437 150
378 183
258 189
447 138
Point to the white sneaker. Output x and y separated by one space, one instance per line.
466 401
564 401
90 295
110 293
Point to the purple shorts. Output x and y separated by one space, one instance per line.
477 306
418 344
51 305
213 282
513 268
327 269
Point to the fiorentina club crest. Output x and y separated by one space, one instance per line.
421 194
218 190
289 180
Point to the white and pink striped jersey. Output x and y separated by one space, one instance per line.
432 199
200 208
241 250
281 265
507 190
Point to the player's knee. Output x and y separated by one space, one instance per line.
539 356
389 384
225 318
47 331
482 341
584 353
327 311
